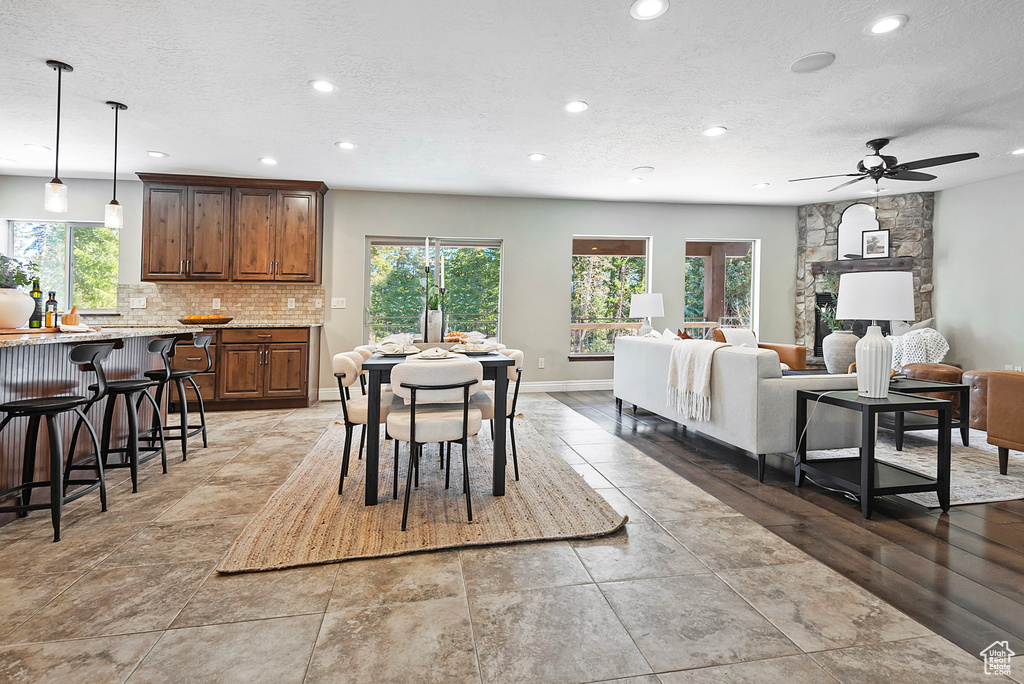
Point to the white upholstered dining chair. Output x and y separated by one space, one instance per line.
347 368
484 400
437 410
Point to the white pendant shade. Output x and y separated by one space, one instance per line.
55 197
113 215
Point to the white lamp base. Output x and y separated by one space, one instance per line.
874 364
646 327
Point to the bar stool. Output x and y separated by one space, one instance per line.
178 376
88 357
134 390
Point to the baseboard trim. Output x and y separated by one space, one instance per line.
332 394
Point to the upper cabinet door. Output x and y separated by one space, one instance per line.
254 230
164 241
297 236
209 222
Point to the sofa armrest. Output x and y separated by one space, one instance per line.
793 355
1006 410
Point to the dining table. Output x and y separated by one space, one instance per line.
378 369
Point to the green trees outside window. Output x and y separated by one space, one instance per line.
602 287
77 261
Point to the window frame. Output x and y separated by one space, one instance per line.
69 261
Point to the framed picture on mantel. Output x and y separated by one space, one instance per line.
875 244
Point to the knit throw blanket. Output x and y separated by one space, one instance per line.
689 378
918 346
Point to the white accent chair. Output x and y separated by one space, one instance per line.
347 367
438 410
484 400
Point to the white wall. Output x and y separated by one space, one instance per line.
21 198
978 273
536 267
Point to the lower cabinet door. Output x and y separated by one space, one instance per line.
240 372
286 370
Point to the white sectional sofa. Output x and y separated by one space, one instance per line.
753 406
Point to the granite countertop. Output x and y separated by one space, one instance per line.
28 339
232 324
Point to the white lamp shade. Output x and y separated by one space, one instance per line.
876 296
55 197
113 215
646 305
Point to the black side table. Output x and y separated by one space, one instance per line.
863 475
905 422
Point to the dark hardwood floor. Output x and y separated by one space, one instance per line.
961 574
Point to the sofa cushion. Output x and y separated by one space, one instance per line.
738 337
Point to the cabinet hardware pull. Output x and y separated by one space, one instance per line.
192 358
181 266
269 335
188 265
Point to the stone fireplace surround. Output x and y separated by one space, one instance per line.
908 218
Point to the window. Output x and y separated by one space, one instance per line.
468 270
78 261
719 284
606 272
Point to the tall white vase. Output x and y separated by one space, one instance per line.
16 308
432 329
874 363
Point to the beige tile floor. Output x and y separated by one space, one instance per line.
689 591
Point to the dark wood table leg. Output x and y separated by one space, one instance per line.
945 447
801 447
373 437
897 419
867 461
500 422
965 416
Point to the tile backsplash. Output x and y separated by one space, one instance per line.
256 303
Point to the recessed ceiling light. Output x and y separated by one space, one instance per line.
7 162
576 106
634 180
269 161
648 9
760 186
158 155
345 145
536 156
1020 151
816 61
641 170
323 86
888 24
36 148
715 131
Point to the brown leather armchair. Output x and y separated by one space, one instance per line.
793 355
1006 414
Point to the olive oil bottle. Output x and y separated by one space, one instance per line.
36 320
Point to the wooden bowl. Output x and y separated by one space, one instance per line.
220 320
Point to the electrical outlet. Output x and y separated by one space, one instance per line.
137 303
337 302
216 303
1008 366
291 302
319 303
540 362
1018 368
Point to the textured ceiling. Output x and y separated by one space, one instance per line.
450 95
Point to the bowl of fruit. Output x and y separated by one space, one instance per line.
205 319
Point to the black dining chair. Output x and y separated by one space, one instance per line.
179 376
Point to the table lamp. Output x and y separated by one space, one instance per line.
875 295
645 306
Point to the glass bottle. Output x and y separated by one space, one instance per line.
36 319
51 310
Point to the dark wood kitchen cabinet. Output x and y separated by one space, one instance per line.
214 228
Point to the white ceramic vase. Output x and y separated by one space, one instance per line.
433 326
840 350
16 308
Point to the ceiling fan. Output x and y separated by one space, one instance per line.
878 166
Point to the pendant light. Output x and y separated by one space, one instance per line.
113 215
55 197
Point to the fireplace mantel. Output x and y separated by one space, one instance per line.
903 263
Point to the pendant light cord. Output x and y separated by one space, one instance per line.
117 111
56 155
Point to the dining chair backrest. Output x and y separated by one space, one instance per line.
347 366
434 373
365 350
517 356
90 357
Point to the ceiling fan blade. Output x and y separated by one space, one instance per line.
856 180
937 161
911 176
838 175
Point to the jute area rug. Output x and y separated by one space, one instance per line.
307 523
974 470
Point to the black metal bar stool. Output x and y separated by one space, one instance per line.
134 390
178 376
88 357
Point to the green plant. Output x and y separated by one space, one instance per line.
828 283
14 273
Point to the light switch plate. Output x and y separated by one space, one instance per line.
540 362
337 302
291 302
137 303
1008 367
216 303
319 303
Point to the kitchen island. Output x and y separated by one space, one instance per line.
37 365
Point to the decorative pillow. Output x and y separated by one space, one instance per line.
902 328
738 337
683 335
669 335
